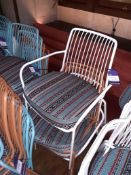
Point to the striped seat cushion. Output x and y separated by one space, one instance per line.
116 162
9 70
58 141
60 98
125 96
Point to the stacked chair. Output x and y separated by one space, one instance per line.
69 103
24 44
27 44
112 155
5 36
16 132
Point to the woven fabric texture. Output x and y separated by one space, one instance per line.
9 70
58 141
116 162
60 98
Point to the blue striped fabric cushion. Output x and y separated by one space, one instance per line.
125 96
9 70
58 141
116 162
60 98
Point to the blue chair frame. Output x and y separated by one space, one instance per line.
5 34
28 135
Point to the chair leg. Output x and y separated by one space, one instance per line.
72 154
71 170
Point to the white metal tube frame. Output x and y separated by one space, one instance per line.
91 152
73 129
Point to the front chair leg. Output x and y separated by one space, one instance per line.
72 154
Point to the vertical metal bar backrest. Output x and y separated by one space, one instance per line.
121 136
23 35
28 135
14 111
6 31
18 122
27 43
89 55
3 119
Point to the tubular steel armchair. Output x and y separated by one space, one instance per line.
69 101
112 156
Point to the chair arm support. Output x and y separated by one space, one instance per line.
98 99
34 61
96 144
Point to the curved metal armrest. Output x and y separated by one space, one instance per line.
34 61
98 141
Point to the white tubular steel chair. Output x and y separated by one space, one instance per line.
73 96
112 156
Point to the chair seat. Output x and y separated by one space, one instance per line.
9 70
116 162
58 141
60 98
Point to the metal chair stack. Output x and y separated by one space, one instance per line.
9 70
27 44
69 102
16 131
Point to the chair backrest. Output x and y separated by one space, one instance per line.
14 118
21 127
121 135
3 118
89 55
5 31
16 125
26 41
27 44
